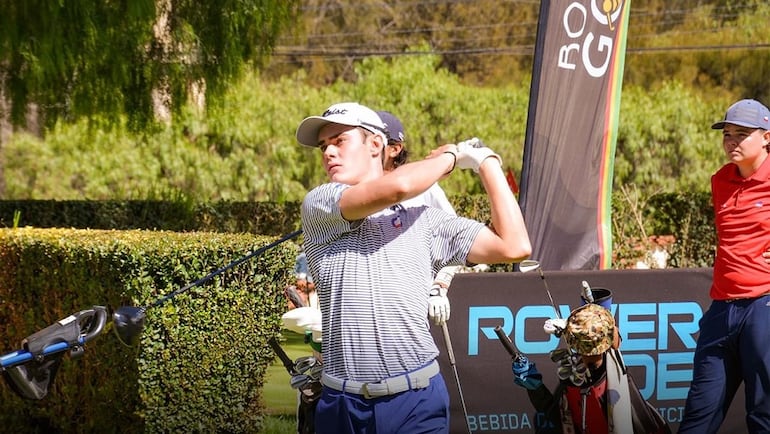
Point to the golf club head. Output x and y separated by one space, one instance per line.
298 381
128 323
315 372
303 364
528 265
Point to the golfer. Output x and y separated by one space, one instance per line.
373 262
396 154
732 347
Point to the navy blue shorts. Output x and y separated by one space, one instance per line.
414 411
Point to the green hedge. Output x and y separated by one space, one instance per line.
203 354
266 218
687 216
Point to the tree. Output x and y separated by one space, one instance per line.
483 41
702 43
75 58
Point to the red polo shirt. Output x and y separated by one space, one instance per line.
742 216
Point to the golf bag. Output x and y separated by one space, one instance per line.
306 378
31 370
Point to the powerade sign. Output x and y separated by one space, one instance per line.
665 371
657 313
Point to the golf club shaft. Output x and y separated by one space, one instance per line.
128 322
548 291
451 354
226 267
287 362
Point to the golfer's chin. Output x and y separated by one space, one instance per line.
336 175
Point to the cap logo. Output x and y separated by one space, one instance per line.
334 111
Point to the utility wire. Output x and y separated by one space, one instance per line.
474 40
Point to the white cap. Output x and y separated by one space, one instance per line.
345 113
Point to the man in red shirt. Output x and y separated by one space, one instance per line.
733 346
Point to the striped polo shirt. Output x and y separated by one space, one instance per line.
373 277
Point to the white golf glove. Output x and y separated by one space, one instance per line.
446 274
438 304
470 155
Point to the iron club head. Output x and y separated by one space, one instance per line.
299 381
128 323
304 364
531 264
528 265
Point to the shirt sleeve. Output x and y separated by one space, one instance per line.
453 238
322 219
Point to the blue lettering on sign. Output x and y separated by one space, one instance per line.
629 327
684 330
648 363
504 314
668 374
644 327
534 347
672 414
475 313
499 422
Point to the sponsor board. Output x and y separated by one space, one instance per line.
657 312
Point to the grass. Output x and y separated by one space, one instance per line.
279 398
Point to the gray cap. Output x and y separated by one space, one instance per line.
746 113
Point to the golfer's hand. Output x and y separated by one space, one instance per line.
472 153
438 304
445 275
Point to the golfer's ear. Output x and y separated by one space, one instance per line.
377 146
616 339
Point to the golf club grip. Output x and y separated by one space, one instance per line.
287 362
506 341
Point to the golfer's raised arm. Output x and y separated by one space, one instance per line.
508 240
404 182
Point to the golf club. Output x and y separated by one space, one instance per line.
287 362
520 363
451 354
507 343
128 321
305 375
529 265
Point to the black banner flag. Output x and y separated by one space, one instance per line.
569 149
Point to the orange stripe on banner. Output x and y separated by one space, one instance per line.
611 116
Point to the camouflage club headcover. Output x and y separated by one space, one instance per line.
590 330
